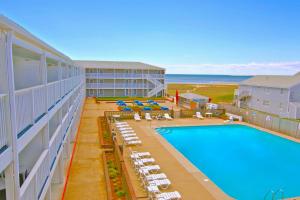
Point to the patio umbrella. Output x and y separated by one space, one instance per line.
120 101
177 97
164 108
140 104
147 108
150 101
127 109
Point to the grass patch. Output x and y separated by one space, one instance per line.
128 98
218 93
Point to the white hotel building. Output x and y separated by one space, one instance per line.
41 97
115 79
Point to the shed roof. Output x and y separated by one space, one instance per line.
193 96
116 65
273 81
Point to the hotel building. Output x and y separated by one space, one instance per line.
41 97
114 79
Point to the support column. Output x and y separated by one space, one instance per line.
12 173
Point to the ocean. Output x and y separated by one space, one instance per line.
201 78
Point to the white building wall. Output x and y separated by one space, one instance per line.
34 149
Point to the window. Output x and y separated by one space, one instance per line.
281 106
266 103
281 91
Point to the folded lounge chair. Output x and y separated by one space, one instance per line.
148 117
131 138
137 117
161 183
122 125
127 131
125 128
168 196
128 135
133 142
198 115
167 116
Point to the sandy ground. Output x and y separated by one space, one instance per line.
86 180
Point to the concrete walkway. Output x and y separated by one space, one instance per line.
86 180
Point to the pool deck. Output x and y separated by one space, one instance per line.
185 177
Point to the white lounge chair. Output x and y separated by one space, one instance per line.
128 135
230 120
152 177
122 125
198 115
167 116
152 190
131 138
161 183
137 117
133 142
127 131
148 116
125 128
168 196
138 155
151 168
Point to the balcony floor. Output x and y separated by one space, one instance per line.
86 180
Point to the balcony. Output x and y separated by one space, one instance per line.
3 120
122 76
34 184
117 86
30 107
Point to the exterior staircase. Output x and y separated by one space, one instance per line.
158 87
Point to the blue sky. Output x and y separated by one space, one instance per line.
190 36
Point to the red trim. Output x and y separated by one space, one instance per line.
72 156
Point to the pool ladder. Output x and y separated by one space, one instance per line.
273 194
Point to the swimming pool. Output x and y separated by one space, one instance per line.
244 162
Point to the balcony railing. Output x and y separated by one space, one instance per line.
30 106
118 86
123 75
3 122
35 182
55 143
54 94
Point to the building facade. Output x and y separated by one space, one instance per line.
278 95
41 97
115 79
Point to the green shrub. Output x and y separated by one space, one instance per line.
120 193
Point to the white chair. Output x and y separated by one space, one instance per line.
161 183
148 116
167 116
122 125
131 138
128 135
198 115
125 129
168 196
230 120
152 177
133 142
137 117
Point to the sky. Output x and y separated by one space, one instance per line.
245 37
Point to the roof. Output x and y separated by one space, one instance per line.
273 81
23 34
193 96
116 64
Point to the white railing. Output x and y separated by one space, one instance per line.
34 183
123 75
54 144
30 105
3 120
116 86
53 93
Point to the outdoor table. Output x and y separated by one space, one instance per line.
208 114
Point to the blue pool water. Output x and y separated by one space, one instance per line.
244 162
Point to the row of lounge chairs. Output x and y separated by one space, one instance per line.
148 117
151 177
127 133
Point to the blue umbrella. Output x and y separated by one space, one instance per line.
164 108
155 103
147 108
150 101
127 109
122 104
120 101
140 104
136 101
